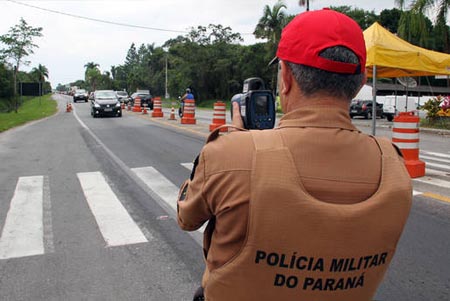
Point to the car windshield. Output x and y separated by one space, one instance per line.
105 94
122 93
81 91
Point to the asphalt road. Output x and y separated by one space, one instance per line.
135 164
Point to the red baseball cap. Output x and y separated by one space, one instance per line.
309 33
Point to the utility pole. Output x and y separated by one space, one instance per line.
167 93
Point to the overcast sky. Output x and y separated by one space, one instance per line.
68 43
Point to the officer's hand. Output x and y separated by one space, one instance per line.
237 119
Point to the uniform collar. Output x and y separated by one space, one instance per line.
321 116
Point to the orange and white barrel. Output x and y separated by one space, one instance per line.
157 107
189 112
219 116
405 135
137 105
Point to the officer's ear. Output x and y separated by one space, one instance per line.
286 77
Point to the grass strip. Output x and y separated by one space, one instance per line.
32 109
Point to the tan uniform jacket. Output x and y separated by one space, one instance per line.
338 164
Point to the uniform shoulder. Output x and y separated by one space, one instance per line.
229 152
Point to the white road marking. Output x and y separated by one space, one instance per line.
433 181
162 186
415 192
433 172
437 165
435 159
188 165
435 154
23 231
114 222
158 183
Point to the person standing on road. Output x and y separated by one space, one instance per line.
313 209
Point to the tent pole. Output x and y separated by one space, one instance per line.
374 100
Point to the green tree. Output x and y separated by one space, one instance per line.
6 88
362 17
19 44
92 75
40 73
271 23
389 19
441 7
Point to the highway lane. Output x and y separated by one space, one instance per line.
79 259
424 222
139 156
424 246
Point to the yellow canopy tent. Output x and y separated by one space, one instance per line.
394 57
390 56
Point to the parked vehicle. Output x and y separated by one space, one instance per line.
145 96
105 102
123 96
80 94
364 108
392 104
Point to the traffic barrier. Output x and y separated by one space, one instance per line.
157 107
219 118
144 110
122 106
129 106
189 112
137 105
172 114
405 135
68 107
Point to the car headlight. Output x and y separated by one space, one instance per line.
117 104
96 105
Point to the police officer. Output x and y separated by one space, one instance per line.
313 209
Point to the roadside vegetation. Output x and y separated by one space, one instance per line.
32 108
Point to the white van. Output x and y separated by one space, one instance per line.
392 104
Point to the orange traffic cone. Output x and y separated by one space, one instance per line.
144 110
172 114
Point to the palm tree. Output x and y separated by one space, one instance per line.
441 17
271 23
41 73
303 3
90 65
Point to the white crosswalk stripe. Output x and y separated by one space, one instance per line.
114 222
159 184
23 230
188 165
162 186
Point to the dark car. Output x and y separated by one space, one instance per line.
364 108
105 103
80 94
146 99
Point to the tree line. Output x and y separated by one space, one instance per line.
211 59
19 43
